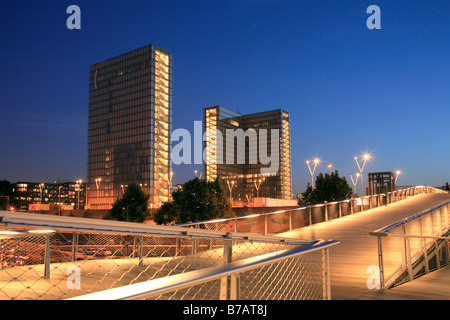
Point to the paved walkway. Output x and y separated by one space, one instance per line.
357 251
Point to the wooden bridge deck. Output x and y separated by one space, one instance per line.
357 251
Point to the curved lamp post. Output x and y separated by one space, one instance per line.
316 162
365 157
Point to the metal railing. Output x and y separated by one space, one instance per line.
243 278
414 246
55 257
288 219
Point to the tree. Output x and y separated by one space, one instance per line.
329 187
199 200
133 206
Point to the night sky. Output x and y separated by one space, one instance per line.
348 89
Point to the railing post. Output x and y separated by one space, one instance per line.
47 258
340 209
133 254
141 252
310 215
177 246
195 243
226 282
326 275
266 217
74 246
380 262
235 287
326 212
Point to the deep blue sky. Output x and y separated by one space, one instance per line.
348 89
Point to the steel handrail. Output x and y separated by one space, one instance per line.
291 209
385 230
157 287
74 224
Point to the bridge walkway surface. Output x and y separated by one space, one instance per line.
357 251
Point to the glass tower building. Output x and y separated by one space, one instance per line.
236 147
130 120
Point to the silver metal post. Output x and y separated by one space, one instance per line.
380 262
74 246
141 252
177 246
326 274
47 258
225 282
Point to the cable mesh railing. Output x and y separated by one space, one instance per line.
52 258
414 246
288 219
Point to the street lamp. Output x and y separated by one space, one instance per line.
398 172
170 184
365 157
316 162
257 185
355 181
60 203
79 182
230 187
97 184
329 167
41 187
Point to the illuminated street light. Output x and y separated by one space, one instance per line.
97 184
41 187
329 167
398 172
170 185
79 182
257 185
316 162
230 187
365 157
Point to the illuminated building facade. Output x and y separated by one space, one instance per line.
244 177
23 194
130 120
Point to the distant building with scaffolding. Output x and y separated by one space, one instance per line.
381 182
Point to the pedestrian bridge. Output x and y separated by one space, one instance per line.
369 248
